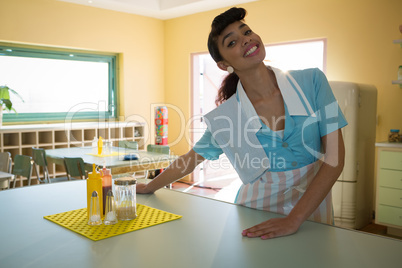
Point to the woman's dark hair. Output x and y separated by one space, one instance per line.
229 84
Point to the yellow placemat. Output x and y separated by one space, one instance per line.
106 155
77 221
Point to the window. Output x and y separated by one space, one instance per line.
58 84
297 55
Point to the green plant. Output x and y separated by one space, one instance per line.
5 101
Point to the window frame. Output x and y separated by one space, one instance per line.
7 49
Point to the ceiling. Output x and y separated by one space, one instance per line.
160 9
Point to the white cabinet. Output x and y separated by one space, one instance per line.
389 187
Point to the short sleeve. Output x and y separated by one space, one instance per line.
330 116
207 147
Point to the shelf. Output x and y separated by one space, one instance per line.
128 132
75 135
76 144
398 41
46 145
60 136
56 146
114 133
11 139
28 138
104 133
89 134
397 82
45 136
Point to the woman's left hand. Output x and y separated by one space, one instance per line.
272 228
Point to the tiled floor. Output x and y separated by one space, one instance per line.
226 190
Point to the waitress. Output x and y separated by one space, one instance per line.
281 132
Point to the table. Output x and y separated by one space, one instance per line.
208 235
146 161
5 176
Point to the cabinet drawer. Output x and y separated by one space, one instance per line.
390 197
391 160
390 215
390 178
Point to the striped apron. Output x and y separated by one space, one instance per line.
280 191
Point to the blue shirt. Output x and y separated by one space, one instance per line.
301 141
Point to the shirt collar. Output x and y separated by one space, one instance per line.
252 117
289 93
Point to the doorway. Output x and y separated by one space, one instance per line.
207 78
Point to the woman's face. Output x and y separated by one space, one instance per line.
240 47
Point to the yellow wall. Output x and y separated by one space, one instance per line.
155 55
359 38
138 39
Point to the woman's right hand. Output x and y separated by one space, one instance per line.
142 189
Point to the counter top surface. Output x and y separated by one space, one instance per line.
389 144
208 235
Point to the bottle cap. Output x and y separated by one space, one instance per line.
125 181
395 130
106 171
94 174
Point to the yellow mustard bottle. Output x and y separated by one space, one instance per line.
94 183
100 145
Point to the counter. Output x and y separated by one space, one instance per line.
208 235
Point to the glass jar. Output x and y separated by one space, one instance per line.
393 135
125 197
107 147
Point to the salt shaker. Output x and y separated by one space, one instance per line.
94 210
125 196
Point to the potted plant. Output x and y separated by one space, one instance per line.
5 102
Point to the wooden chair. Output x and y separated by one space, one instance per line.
22 167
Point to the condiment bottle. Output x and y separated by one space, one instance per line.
95 145
125 197
94 183
100 145
106 185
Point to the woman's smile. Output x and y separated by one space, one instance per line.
251 50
